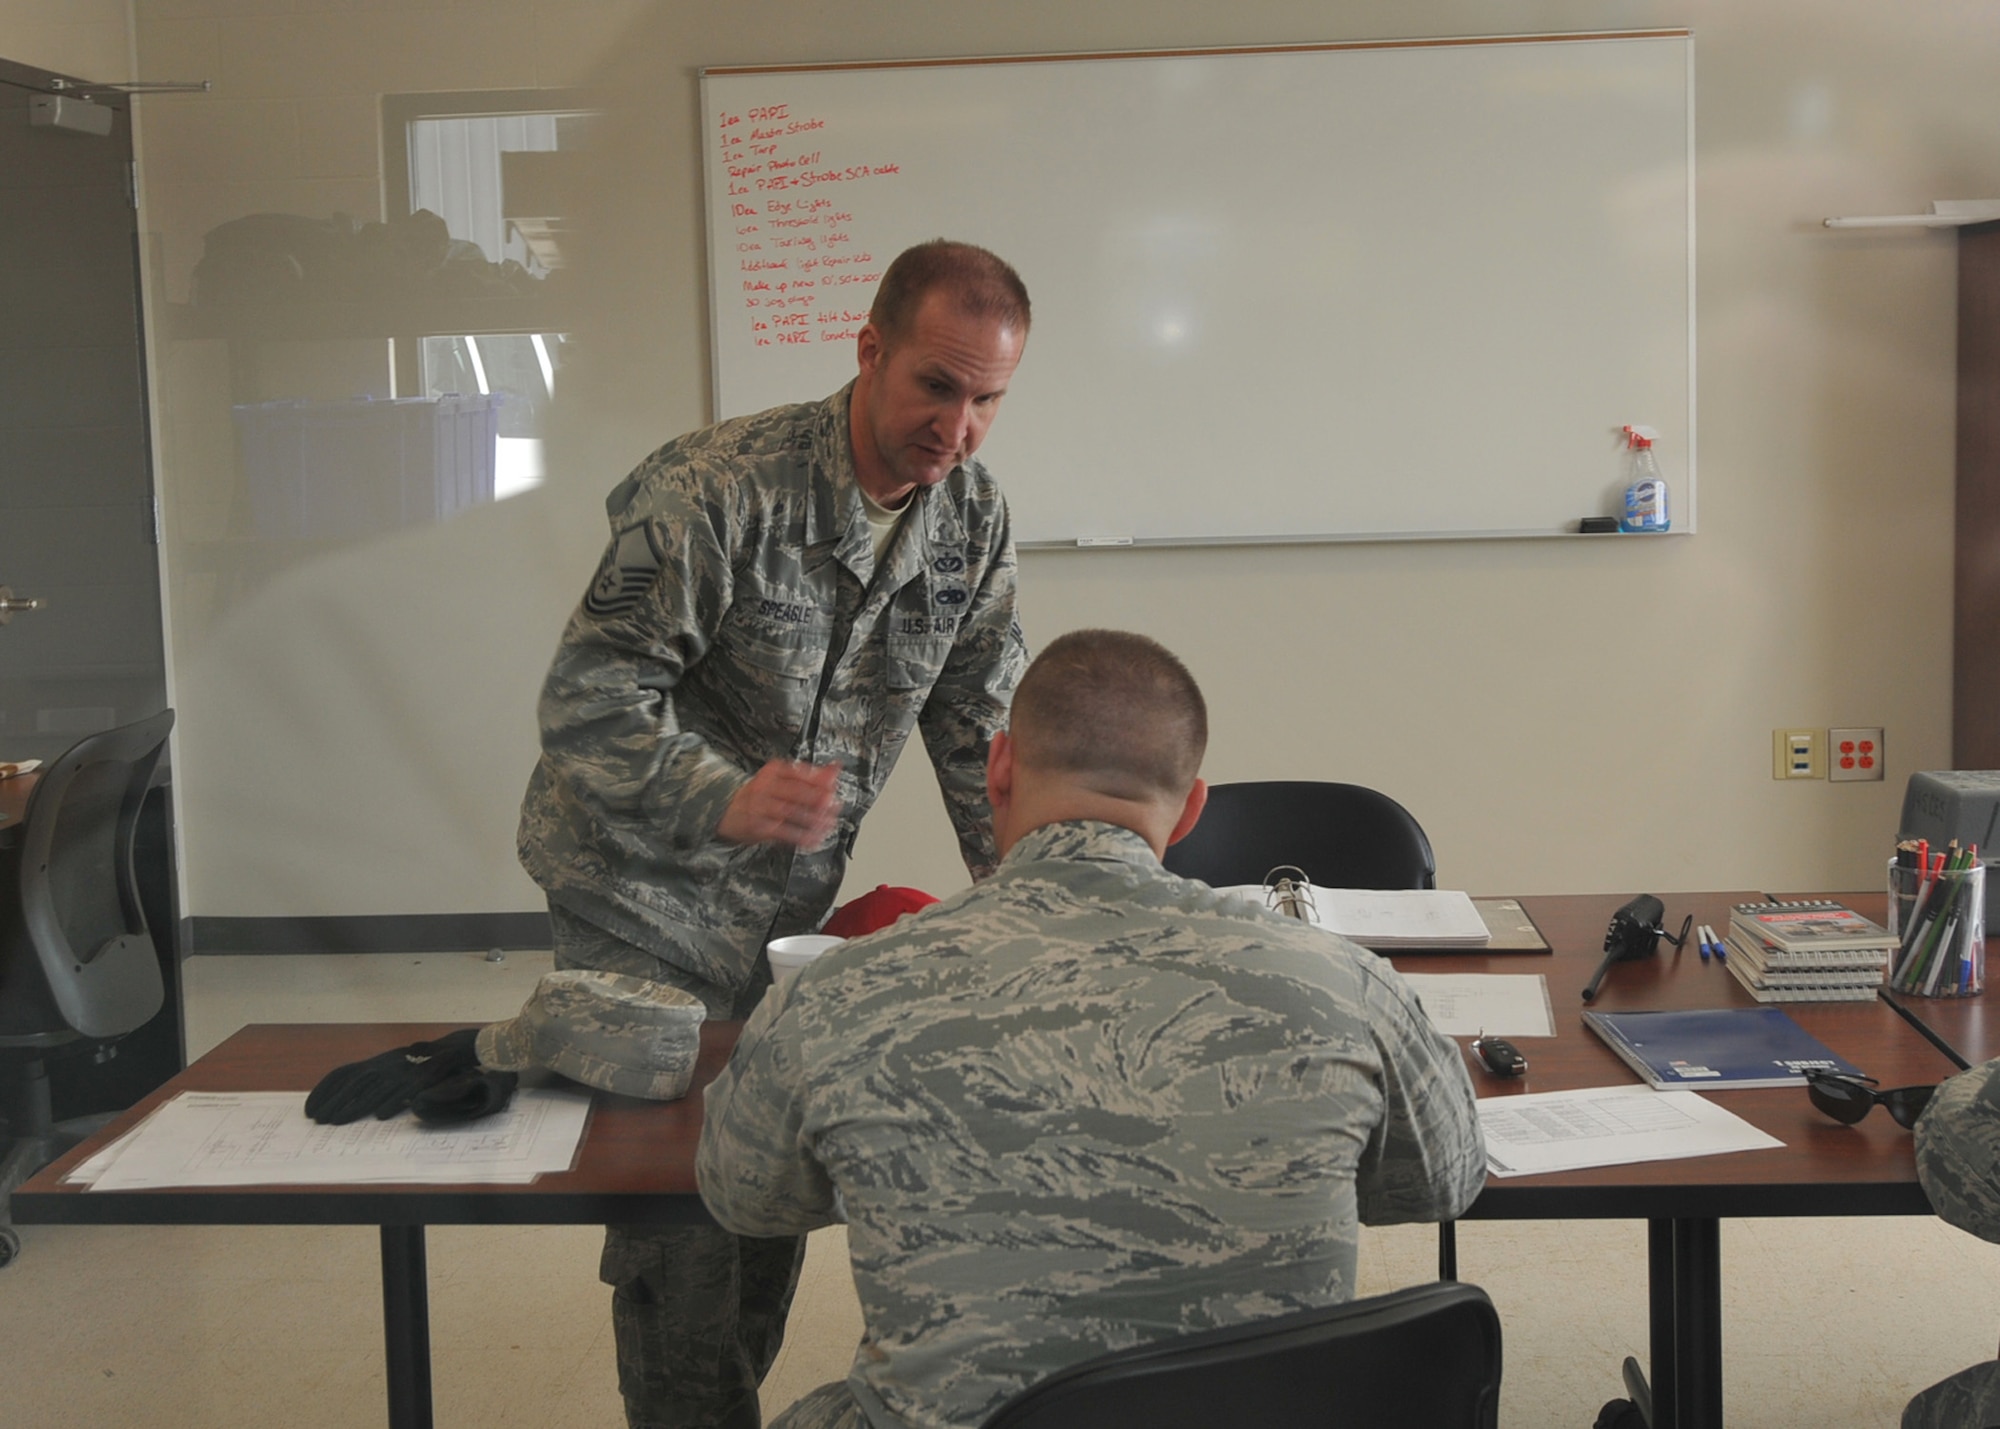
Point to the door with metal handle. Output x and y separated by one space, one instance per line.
78 541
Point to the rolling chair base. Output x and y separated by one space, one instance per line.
34 1140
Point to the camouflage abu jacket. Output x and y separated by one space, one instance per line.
738 617
1079 1106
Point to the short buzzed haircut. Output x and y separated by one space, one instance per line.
981 283
1116 711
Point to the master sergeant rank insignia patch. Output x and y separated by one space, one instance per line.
628 572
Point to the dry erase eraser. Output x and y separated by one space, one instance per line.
1598 525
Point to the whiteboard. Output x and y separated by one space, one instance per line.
1351 292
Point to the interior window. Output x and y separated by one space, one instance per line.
455 163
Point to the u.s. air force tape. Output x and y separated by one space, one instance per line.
628 572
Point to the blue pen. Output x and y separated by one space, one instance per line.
1702 934
1721 948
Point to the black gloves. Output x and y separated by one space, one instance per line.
466 1096
392 1081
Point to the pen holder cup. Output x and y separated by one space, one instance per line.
1940 927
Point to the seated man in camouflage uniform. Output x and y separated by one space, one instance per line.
1086 1103
1958 1160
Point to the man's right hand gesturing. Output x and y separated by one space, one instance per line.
785 802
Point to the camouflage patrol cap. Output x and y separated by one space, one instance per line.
606 1030
1958 1151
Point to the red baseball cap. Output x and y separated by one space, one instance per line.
875 909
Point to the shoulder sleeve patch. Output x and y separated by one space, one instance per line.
630 567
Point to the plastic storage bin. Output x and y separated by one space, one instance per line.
332 471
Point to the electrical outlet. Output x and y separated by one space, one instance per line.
1798 754
1854 754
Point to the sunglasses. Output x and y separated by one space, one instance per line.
1848 1099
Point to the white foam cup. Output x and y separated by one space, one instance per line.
788 955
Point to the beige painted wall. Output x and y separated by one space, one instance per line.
87 39
356 727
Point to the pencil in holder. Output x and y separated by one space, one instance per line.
1938 916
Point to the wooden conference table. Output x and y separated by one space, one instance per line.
636 1162
636 1165
1823 1168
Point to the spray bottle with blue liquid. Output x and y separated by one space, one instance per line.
1646 489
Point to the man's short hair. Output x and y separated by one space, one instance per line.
1116 711
981 283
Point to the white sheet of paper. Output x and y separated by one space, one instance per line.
1608 1126
91 1167
265 1138
1498 1004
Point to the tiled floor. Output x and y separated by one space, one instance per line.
1827 1322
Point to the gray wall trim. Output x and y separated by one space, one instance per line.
373 933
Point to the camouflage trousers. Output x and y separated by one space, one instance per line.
697 1314
1969 1399
828 1407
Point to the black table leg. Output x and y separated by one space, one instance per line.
1698 1322
406 1327
1660 1306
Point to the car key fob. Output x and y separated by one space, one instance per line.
1502 1058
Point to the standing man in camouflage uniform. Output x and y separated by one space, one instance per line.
1958 1161
785 596
1085 1104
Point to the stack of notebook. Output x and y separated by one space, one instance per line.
1817 951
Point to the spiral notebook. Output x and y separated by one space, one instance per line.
1716 1048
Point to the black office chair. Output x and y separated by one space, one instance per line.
1428 1355
77 962
1340 835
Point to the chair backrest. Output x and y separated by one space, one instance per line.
76 956
1428 1355
1341 835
